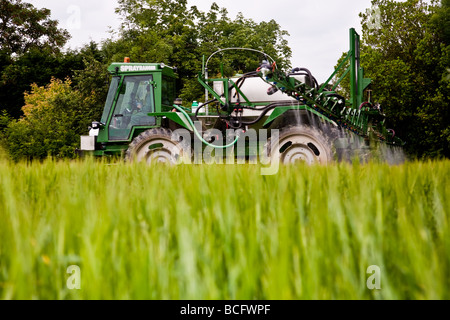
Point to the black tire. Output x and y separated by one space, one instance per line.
301 143
158 145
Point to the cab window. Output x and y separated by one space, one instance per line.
135 101
168 91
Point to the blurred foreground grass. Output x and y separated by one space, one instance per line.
224 232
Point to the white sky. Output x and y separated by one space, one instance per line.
318 28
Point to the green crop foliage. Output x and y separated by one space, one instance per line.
224 231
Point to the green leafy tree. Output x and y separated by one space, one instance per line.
55 115
34 66
30 52
406 54
22 27
50 113
92 84
169 31
5 119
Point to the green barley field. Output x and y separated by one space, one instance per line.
345 231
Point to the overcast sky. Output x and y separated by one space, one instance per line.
318 28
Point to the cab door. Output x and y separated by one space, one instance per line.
136 99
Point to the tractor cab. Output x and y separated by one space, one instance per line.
136 89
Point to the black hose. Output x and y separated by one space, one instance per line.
267 109
313 82
240 82
239 122
202 105
237 84
335 95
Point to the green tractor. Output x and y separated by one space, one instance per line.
267 115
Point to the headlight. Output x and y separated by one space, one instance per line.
95 125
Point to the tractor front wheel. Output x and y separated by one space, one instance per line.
157 145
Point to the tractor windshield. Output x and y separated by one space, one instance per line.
109 100
135 101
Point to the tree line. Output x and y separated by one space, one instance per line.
48 95
406 53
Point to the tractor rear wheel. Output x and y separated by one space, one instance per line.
157 145
302 143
